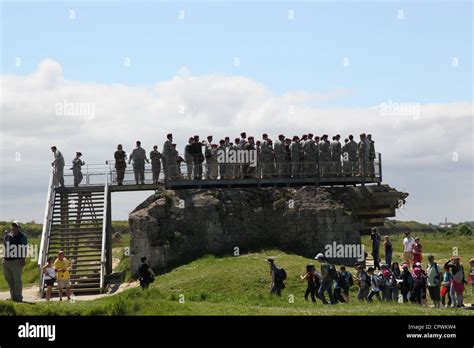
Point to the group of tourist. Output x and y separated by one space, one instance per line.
387 281
307 155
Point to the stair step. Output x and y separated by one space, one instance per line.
73 236
76 230
82 286
67 239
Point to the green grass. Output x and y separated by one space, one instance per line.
238 286
222 286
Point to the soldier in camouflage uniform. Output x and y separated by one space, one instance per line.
371 144
351 149
188 158
77 163
336 155
280 156
316 143
166 153
58 165
266 157
155 158
139 158
295 152
363 155
325 156
310 155
172 163
207 155
120 157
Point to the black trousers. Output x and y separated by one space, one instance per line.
310 290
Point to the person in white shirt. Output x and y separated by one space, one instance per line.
408 243
49 276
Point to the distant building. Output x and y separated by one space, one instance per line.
446 224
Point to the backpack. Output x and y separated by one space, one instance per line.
282 273
379 280
332 273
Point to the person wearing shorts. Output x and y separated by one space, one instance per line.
49 276
62 266
408 244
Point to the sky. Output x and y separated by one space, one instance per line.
214 67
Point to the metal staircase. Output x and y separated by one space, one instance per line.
77 222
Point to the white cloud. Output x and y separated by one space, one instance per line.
210 104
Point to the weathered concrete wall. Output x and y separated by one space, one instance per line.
175 227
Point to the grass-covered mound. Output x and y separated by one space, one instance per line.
223 286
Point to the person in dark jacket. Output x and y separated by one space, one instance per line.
277 284
147 276
195 150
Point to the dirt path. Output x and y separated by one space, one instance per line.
31 294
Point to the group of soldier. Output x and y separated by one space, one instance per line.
307 156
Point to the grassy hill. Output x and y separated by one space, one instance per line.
239 286
223 286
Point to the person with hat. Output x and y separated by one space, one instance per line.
351 148
120 157
408 243
458 280
77 164
15 252
433 281
278 276
155 158
326 279
58 165
371 148
61 267
138 156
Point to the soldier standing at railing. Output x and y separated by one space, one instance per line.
325 155
316 144
155 157
208 155
188 159
280 155
120 164
166 153
58 165
310 156
138 157
266 157
295 156
198 158
172 163
363 154
336 155
236 166
77 163
351 149
371 155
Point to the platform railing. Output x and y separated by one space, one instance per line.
364 171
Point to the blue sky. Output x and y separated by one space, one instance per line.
408 59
